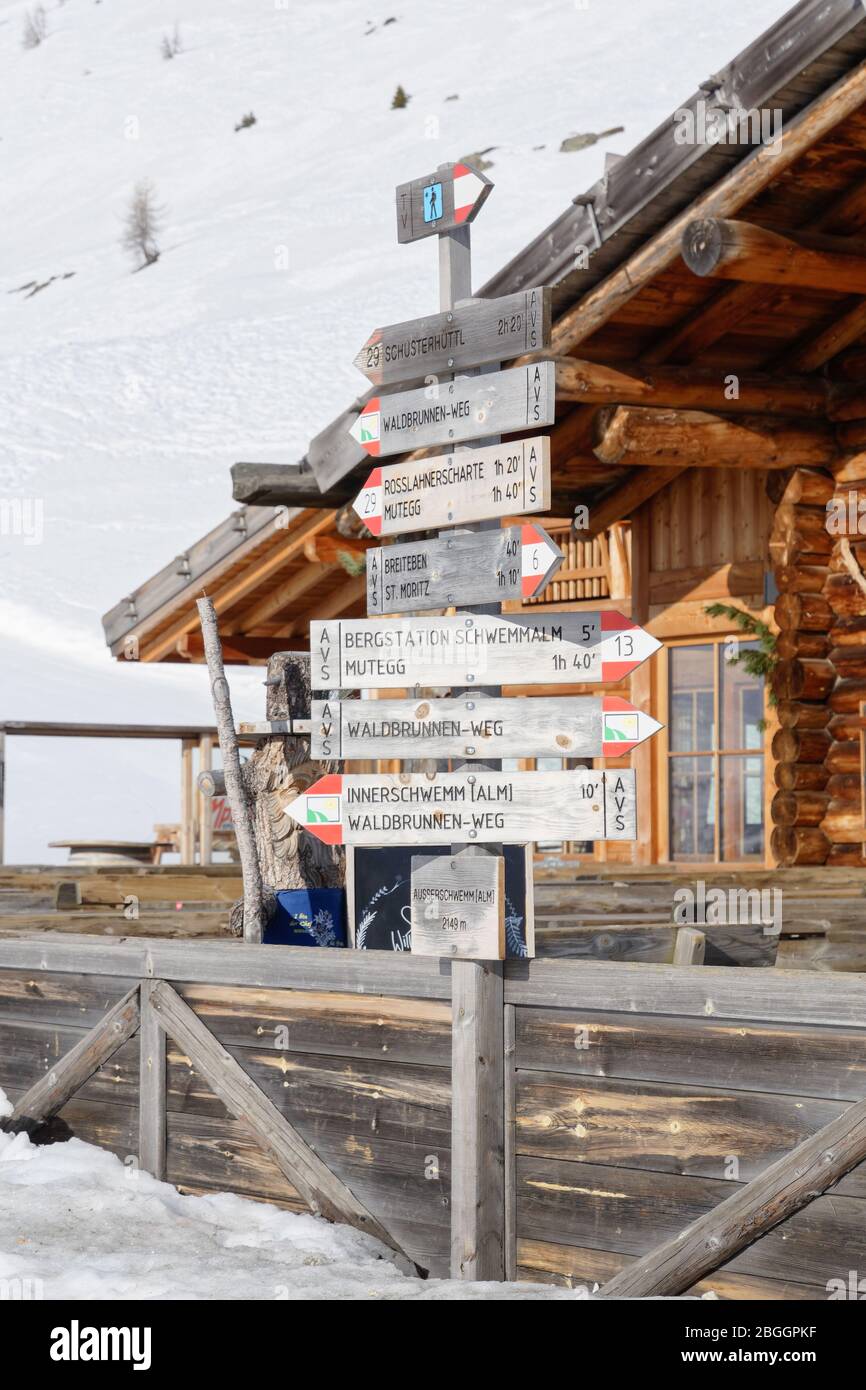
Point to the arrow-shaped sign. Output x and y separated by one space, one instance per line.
439 202
461 567
486 330
449 412
473 807
473 649
455 489
576 726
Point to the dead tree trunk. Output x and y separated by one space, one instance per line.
280 770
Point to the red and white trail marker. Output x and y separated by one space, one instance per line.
439 202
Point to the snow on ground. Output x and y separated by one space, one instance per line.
77 1223
124 398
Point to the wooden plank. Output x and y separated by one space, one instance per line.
561 648
472 484
321 1189
152 1085
474 407
629 1211
478 727
460 567
673 1126
784 996
458 906
574 1265
776 1194
446 200
484 807
231 963
469 335
477 1134
79 1000
50 1093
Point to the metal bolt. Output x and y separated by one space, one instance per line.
470 704
450 318
471 781
470 750
470 678
473 834
468 622
450 361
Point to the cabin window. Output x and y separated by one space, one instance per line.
716 762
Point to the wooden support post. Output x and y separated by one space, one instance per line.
205 805
477 1137
320 1188
690 946
254 909
151 1087
51 1092
510 1147
782 1189
187 796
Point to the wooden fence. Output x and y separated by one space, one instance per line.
616 1103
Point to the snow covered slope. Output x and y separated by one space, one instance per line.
125 398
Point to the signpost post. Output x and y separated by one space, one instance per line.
457 898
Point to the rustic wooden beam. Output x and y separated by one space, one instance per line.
732 250
733 192
836 335
781 1190
477 1121
287 485
282 597
325 1193
51 1092
151 1087
689 388
641 436
638 487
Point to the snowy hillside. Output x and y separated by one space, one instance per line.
125 398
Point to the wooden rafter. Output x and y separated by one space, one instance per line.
642 435
639 486
729 249
689 388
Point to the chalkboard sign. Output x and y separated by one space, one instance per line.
378 889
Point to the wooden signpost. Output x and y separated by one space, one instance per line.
461 567
466 486
576 726
450 412
441 808
469 335
458 906
439 202
467 650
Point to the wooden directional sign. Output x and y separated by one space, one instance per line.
458 906
471 807
461 567
450 412
488 330
573 726
455 489
440 202
557 648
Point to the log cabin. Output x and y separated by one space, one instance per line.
709 334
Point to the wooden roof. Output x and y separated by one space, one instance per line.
637 308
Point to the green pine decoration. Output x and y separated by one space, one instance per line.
760 663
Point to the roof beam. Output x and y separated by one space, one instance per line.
732 250
745 181
691 388
640 436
